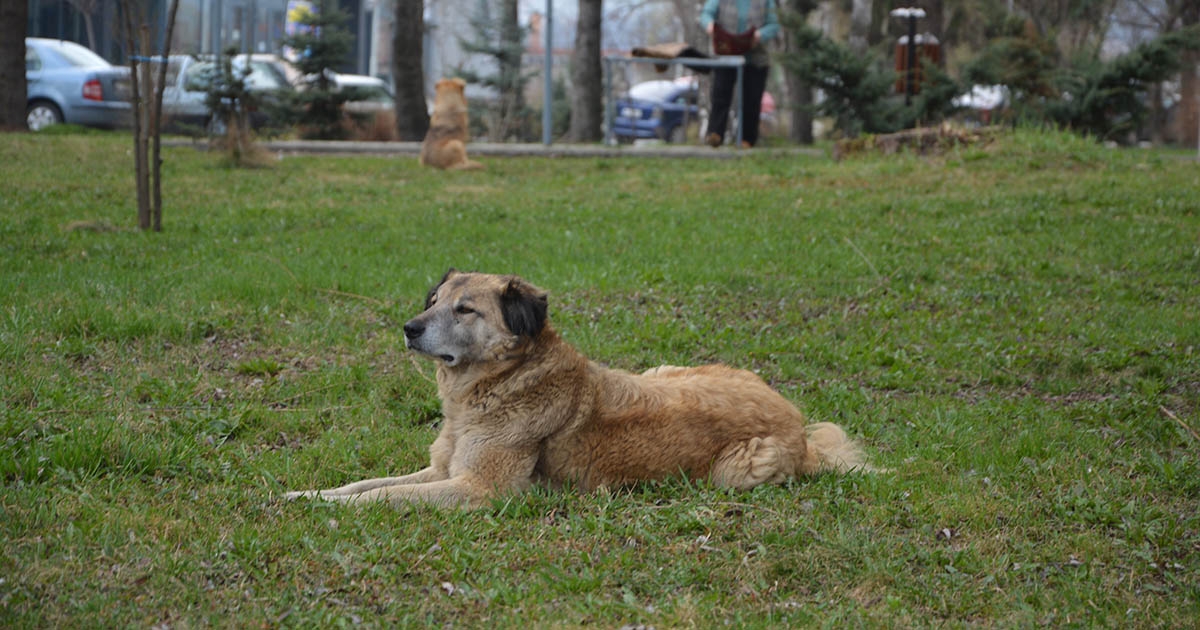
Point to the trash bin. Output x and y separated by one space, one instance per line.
928 48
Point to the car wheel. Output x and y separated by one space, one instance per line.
42 114
677 135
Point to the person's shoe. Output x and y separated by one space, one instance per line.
713 140
747 145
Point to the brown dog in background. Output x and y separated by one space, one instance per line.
445 144
523 407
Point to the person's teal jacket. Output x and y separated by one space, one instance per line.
737 18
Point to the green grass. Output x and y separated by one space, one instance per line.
1012 329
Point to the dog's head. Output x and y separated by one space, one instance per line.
474 317
453 86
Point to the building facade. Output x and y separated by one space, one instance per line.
210 26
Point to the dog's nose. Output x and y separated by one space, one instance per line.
412 330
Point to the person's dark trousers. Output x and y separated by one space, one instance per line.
754 81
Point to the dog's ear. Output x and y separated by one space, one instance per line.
524 307
429 296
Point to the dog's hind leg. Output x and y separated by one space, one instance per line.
830 449
756 461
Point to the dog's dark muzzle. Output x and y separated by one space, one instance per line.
413 329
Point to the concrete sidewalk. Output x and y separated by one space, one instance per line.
334 147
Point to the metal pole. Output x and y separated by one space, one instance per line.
741 107
609 115
547 79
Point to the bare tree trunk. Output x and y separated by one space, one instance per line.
1189 89
160 85
147 108
800 99
799 93
146 99
412 112
512 100
14 14
587 100
132 41
860 25
1189 93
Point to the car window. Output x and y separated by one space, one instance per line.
198 75
273 72
263 76
80 57
32 62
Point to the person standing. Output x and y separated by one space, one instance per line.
738 17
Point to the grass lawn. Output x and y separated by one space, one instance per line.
1014 330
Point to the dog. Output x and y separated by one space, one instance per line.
445 144
523 407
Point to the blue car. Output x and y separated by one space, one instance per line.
68 83
657 109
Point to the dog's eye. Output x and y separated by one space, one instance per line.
462 309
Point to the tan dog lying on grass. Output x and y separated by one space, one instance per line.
445 144
523 407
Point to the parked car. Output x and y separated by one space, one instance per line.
68 83
371 94
657 109
188 81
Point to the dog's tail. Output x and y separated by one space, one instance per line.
831 450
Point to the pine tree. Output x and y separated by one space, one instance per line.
1107 100
321 43
858 87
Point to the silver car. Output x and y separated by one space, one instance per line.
372 95
188 78
68 83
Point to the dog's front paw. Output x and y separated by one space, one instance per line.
302 494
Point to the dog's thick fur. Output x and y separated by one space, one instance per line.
445 144
523 407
